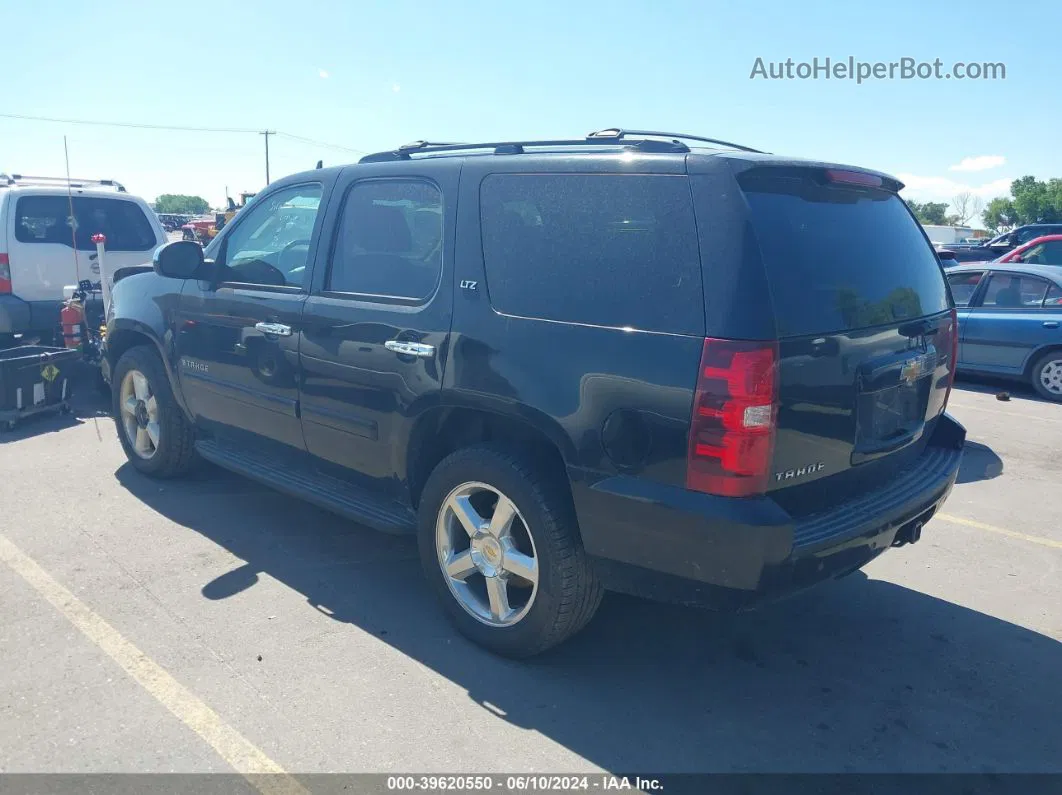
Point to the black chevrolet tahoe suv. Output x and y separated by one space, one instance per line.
643 362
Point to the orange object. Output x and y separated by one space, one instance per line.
72 318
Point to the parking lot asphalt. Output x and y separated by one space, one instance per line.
211 624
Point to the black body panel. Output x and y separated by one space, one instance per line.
360 400
344 413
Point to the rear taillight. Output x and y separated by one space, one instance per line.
946 341
735 413
5 274
953 351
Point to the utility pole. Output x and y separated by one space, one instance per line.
266 134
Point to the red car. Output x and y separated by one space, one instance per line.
1046 250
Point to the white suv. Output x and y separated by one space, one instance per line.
45 247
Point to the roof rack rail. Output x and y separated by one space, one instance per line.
25 179
617 134
426 144
518 147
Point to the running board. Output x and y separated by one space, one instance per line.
329 493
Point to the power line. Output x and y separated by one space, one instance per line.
321 143
129 124
138 126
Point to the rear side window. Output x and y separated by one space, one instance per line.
840 257
608 249
390 240
1011 291
47 219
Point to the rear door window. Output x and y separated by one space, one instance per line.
47 219
390 240
1012 291
839 257
602 249
963 286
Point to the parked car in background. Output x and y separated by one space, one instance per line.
1010 321
1045 250
46 230
1002 244
515 352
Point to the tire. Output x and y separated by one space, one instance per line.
173 454
566 593
1047 376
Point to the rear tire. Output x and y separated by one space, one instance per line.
1047 376
167 450
566 592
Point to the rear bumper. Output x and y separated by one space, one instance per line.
18 316
671 544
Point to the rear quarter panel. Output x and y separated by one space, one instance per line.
613 400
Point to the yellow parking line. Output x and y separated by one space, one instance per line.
247 759
1047 542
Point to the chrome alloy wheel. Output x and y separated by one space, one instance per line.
486 554
140 414
1051 376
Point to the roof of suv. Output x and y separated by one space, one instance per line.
46 185
613 141
46 190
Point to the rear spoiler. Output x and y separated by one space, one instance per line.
130 270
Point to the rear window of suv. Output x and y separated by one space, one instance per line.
603 249
47 219
840 257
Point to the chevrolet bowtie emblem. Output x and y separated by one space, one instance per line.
912 370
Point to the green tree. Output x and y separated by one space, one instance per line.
930 212
180 203
999 215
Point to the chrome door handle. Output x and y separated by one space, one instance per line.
1050 324
418 349
275 329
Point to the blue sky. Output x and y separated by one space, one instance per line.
370 76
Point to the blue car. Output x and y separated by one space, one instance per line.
1010 322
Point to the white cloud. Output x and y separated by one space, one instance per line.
944 189
395 87
980 163
323 74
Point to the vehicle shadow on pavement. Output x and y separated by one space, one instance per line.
979 462
859 674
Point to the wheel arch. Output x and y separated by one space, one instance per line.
443 429
1037 354
126 334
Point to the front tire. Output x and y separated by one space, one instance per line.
500 547
156 436
1047 376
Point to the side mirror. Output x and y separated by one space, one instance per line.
181 259
1017 258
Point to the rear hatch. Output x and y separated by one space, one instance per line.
864 325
